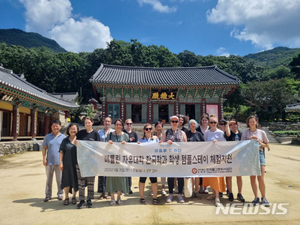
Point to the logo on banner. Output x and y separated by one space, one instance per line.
194 170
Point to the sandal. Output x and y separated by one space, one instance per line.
112 202
74 201
102 196
143 201
155 201
66 201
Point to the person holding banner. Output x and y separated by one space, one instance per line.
133 137
103 137
87 134
158 133
174 135
68 162
194 136
235 135
202 128
261 137
148 137
216 183
117 184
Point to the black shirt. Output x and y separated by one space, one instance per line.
192 137
84 135
232 136
184 130
133 137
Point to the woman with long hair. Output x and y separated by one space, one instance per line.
117 184
254 133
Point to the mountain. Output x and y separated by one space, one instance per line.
28 40
274 58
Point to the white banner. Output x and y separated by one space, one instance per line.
181 159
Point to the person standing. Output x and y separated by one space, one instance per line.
117 184
158 133
194 136
204 120
235 135
87 134
103 137
182 121
216 183
50 154
133 137
174 135
261 137
148 137
68 162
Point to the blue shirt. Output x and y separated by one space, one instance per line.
53 144
102 135
148 140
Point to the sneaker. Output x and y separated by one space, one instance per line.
180 198
205 191
81 204
163 192
89 203
120 202
60 197
240 197
169 198
220 194
151 193
255 201
47 199
176 190
264 202
218 202
112 202
196 195
130 192
230 197
211 197
201 190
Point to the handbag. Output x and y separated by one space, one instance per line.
188 189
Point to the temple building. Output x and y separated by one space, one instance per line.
26 110
150 94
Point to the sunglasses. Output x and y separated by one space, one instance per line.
129 123
222 124
146 129
213 122
174 121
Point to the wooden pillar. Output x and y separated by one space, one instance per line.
14 123
46 123
32 123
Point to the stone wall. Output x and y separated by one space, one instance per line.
13 147
277 126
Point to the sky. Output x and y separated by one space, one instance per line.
205 27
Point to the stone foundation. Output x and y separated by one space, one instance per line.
13 147
277 126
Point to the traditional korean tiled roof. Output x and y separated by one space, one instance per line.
15 82
167 76
293 107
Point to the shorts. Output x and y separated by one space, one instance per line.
262 160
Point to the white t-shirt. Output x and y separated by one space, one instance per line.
260 134
214 135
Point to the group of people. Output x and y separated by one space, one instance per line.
60 157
